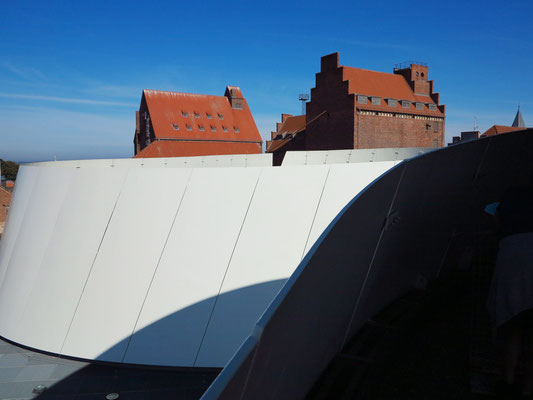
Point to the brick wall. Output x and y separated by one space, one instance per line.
374 131
141 133
330 115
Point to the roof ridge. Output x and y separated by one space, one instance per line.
369 70
189 94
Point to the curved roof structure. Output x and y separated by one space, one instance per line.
163 262
393 236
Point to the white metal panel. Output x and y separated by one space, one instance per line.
125 263
26 178
230 160
188 278
32 242
294 158
259 160
316 157
338 157
269 248
345 181
78 232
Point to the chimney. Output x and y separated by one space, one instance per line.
417 77
234 95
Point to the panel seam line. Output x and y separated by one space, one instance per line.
92 266
363 287
157 266
227 269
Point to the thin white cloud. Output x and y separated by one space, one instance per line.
26 73
66 100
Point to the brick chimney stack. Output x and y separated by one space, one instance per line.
417 77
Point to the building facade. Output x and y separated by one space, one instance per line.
353 108
172 124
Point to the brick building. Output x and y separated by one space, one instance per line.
517 125
5 200
289 136
353 108
172 124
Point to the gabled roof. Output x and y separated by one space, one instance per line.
518 120
293 125
385 85
277 144
170 148
200 117
499 129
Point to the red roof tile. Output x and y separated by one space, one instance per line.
198 116
385 85
498 129
277 144
164 148
5 199
293 125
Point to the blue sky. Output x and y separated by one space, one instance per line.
71 73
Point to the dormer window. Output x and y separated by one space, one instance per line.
392 102
175 127
432 107
220 116
406 104
225 129
213 128
196 115
419 106
201 127
361 99
209 116
376 101
185 114
236 129
188 127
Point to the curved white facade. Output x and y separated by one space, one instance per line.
148 262
392 237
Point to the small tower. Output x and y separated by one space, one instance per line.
518 120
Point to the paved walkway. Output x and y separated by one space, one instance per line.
24 372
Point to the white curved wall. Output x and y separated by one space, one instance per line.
156 265
393 234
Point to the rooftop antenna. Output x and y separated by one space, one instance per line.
303 98
475 124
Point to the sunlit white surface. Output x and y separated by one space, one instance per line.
160 261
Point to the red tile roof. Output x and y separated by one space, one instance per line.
385 85
498 129
5 199
293 125
198 116
169 148
277 144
